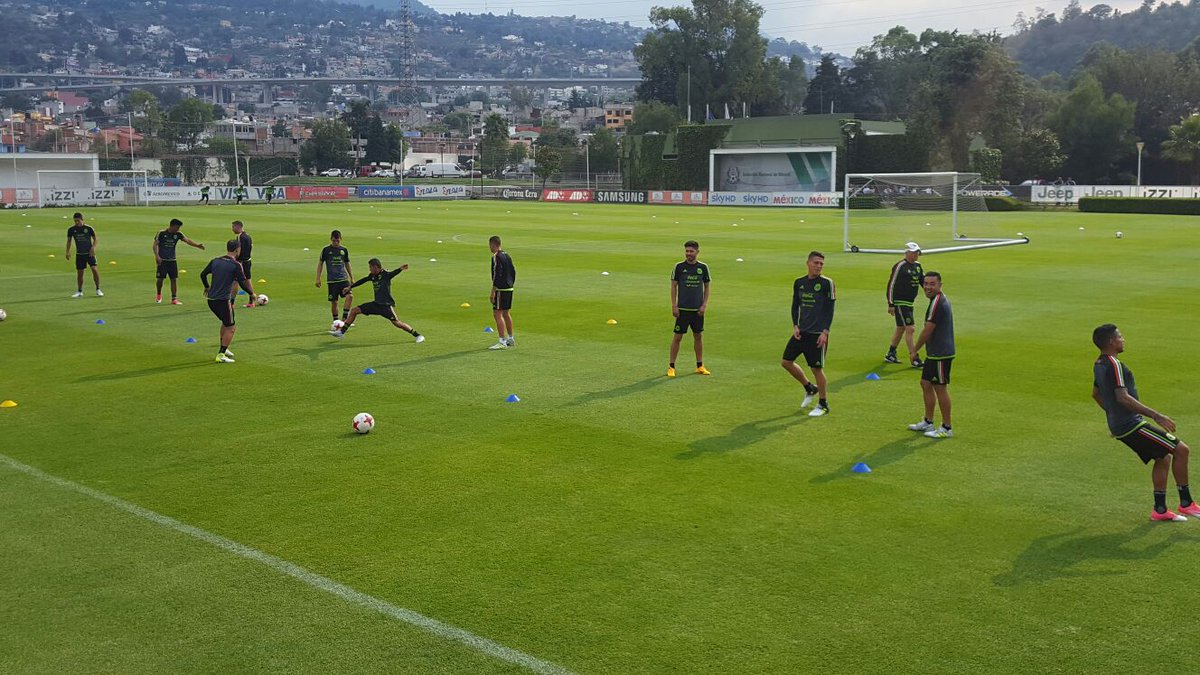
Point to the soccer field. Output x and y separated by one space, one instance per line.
612 520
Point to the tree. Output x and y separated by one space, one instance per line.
329 146
1093 130
316 94
653 116
825 89
493 152
279 129
517 153
549 163
521 97
1038 155
459 121
377 142
186 121
147 117
16 101
603 151
358 118
180 58
218 111
223 147
1183 145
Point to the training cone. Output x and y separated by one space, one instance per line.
872 376
488 329
183 271
465 305
433 260
604 274
368 371
8 403
112 262
512 398
241 292
51 255
860 468
739 260
100 321
190 341
611 322
262 281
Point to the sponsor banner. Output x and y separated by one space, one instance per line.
169 194
986 191
803 171
316 192
385 192
18 196
677 197
1070 194
440 191
526 194
619 197
774 198
69 196
147 182
566 195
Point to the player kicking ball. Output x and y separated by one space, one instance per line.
383 305
1114 391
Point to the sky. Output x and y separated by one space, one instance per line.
835 25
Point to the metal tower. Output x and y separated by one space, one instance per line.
407 95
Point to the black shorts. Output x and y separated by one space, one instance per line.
224 311
503 300
806 345
245 268
168 268
336 288
1150 442
82 261
375 309
904 315
936 371
689 318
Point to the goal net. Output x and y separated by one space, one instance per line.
63 187
940 211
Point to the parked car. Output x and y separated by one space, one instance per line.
335 173
381 173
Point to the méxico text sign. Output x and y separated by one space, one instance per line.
773 198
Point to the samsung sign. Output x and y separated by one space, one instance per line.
619 197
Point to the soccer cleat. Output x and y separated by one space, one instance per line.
701 370
77 294
229 354
499 345
248 305
1166 515
511 342
890 357
338 334
1192 510
158 298
420 339
921 426
940 432
818 411
176 301
99 293
808 399
917 363
224 358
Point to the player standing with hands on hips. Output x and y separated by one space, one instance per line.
812 315
938 339
903 283
689 301
85 253
504 278
1114 391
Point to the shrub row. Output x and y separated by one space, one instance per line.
1174 207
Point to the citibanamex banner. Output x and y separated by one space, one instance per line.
773 199
1070 194
386 192
440 191
317 192
524 194
566 195
619 197
677 197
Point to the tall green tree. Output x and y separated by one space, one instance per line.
377 149
329 146
358 118
493 151
653 116
825 89
1183 145
1094 130
602 150
187 121
549 163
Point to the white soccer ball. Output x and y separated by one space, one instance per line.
1119 235
3 315
337 324
363 422
261 300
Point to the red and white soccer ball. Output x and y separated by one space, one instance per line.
262 300
3 315
337 324
363 423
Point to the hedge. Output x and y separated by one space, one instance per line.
1003 204
868 202
1174 207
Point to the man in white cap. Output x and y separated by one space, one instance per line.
902 288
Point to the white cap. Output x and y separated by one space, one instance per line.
912 246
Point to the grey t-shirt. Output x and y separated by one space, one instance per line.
1109 375
941 343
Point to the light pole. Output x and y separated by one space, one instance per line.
1140 146
441 153
587 164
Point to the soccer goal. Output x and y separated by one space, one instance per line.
940 211
80 187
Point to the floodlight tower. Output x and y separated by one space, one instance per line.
408 79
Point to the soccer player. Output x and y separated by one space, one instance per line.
85 253
906 279
812 315
689 300
1114 391
269 193
203 195
336 260
245 244
164 258
504 277
383 304
225 273
937 337
240 193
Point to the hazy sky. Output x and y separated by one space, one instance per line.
836 25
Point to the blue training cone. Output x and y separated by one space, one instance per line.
100 321
512 398
872 376
240 292
488 329
368 371
860 468
190 341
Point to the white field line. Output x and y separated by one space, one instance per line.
428 624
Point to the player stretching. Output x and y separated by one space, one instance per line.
504 277
336 261
383 305
225 273
239 193
689 301
937 337
812 315
245 244
903 284
164 257
1115 392
203 196
85 253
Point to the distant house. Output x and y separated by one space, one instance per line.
617 115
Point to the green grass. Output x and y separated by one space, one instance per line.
613 521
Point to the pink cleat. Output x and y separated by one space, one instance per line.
1167 515
1192 510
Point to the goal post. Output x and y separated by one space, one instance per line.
882 211
83 187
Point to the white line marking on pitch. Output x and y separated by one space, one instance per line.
428 624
